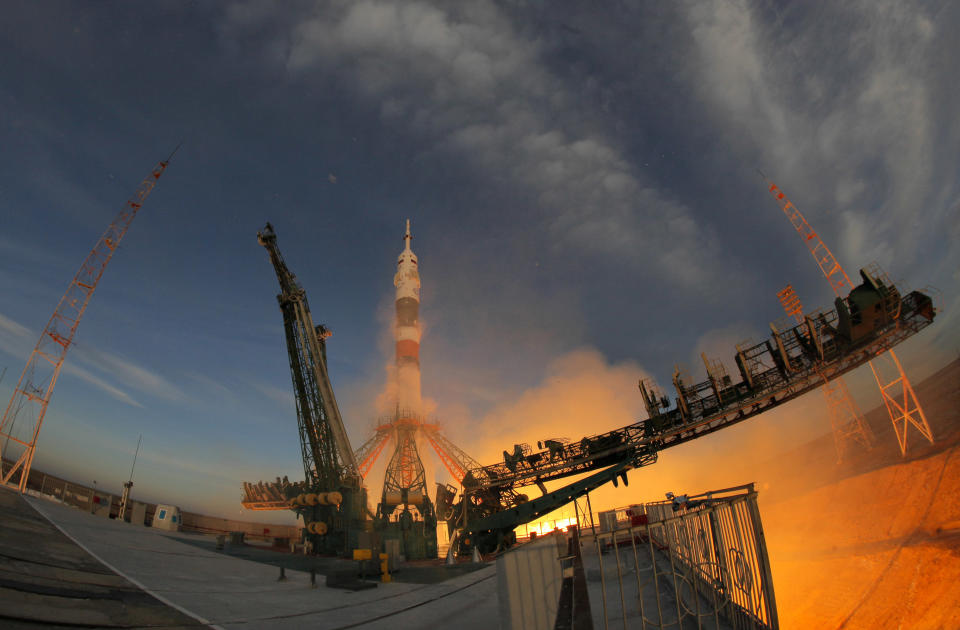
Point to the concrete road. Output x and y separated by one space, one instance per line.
48 581
229 592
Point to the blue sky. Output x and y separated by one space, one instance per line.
582 187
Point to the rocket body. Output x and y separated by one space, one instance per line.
407 332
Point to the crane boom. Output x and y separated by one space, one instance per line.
832 271
903 414
32 394
327 456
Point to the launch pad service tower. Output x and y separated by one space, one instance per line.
406 513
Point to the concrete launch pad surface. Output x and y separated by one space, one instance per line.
231 592
48 581
875 541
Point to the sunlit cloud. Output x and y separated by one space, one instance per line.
129 373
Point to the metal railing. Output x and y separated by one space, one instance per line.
72 494
697 562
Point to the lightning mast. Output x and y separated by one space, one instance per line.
31 397
903 408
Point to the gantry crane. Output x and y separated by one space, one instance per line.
331 500
870 319
31 396
902 414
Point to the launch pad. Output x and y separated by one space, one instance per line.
825 344
405 513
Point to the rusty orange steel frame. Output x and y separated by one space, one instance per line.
902 416
32 393
454 459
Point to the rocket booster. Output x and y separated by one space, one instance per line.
407 331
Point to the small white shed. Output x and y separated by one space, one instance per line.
167 517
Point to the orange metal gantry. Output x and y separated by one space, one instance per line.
31 396
902 406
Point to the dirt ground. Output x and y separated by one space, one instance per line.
874 542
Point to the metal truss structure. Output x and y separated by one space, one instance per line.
31 396
901 415
405 473
273 495
327 456
370 450
905 409
331 499
846 421
454 459
266 495
795 360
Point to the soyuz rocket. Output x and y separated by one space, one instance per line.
407 331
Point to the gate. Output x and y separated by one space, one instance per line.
692 562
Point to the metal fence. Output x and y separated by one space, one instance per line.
70 493
695 562
530 582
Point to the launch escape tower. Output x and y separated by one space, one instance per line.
331 500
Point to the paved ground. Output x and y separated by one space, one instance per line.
874 542
230 592
48 581
420 572
633 571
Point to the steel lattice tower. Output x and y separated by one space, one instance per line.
31 396
903 408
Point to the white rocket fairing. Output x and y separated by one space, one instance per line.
407 331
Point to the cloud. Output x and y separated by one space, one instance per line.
17 340
840 106
580 394
465 82
114 392
210 386
129 373
280 396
